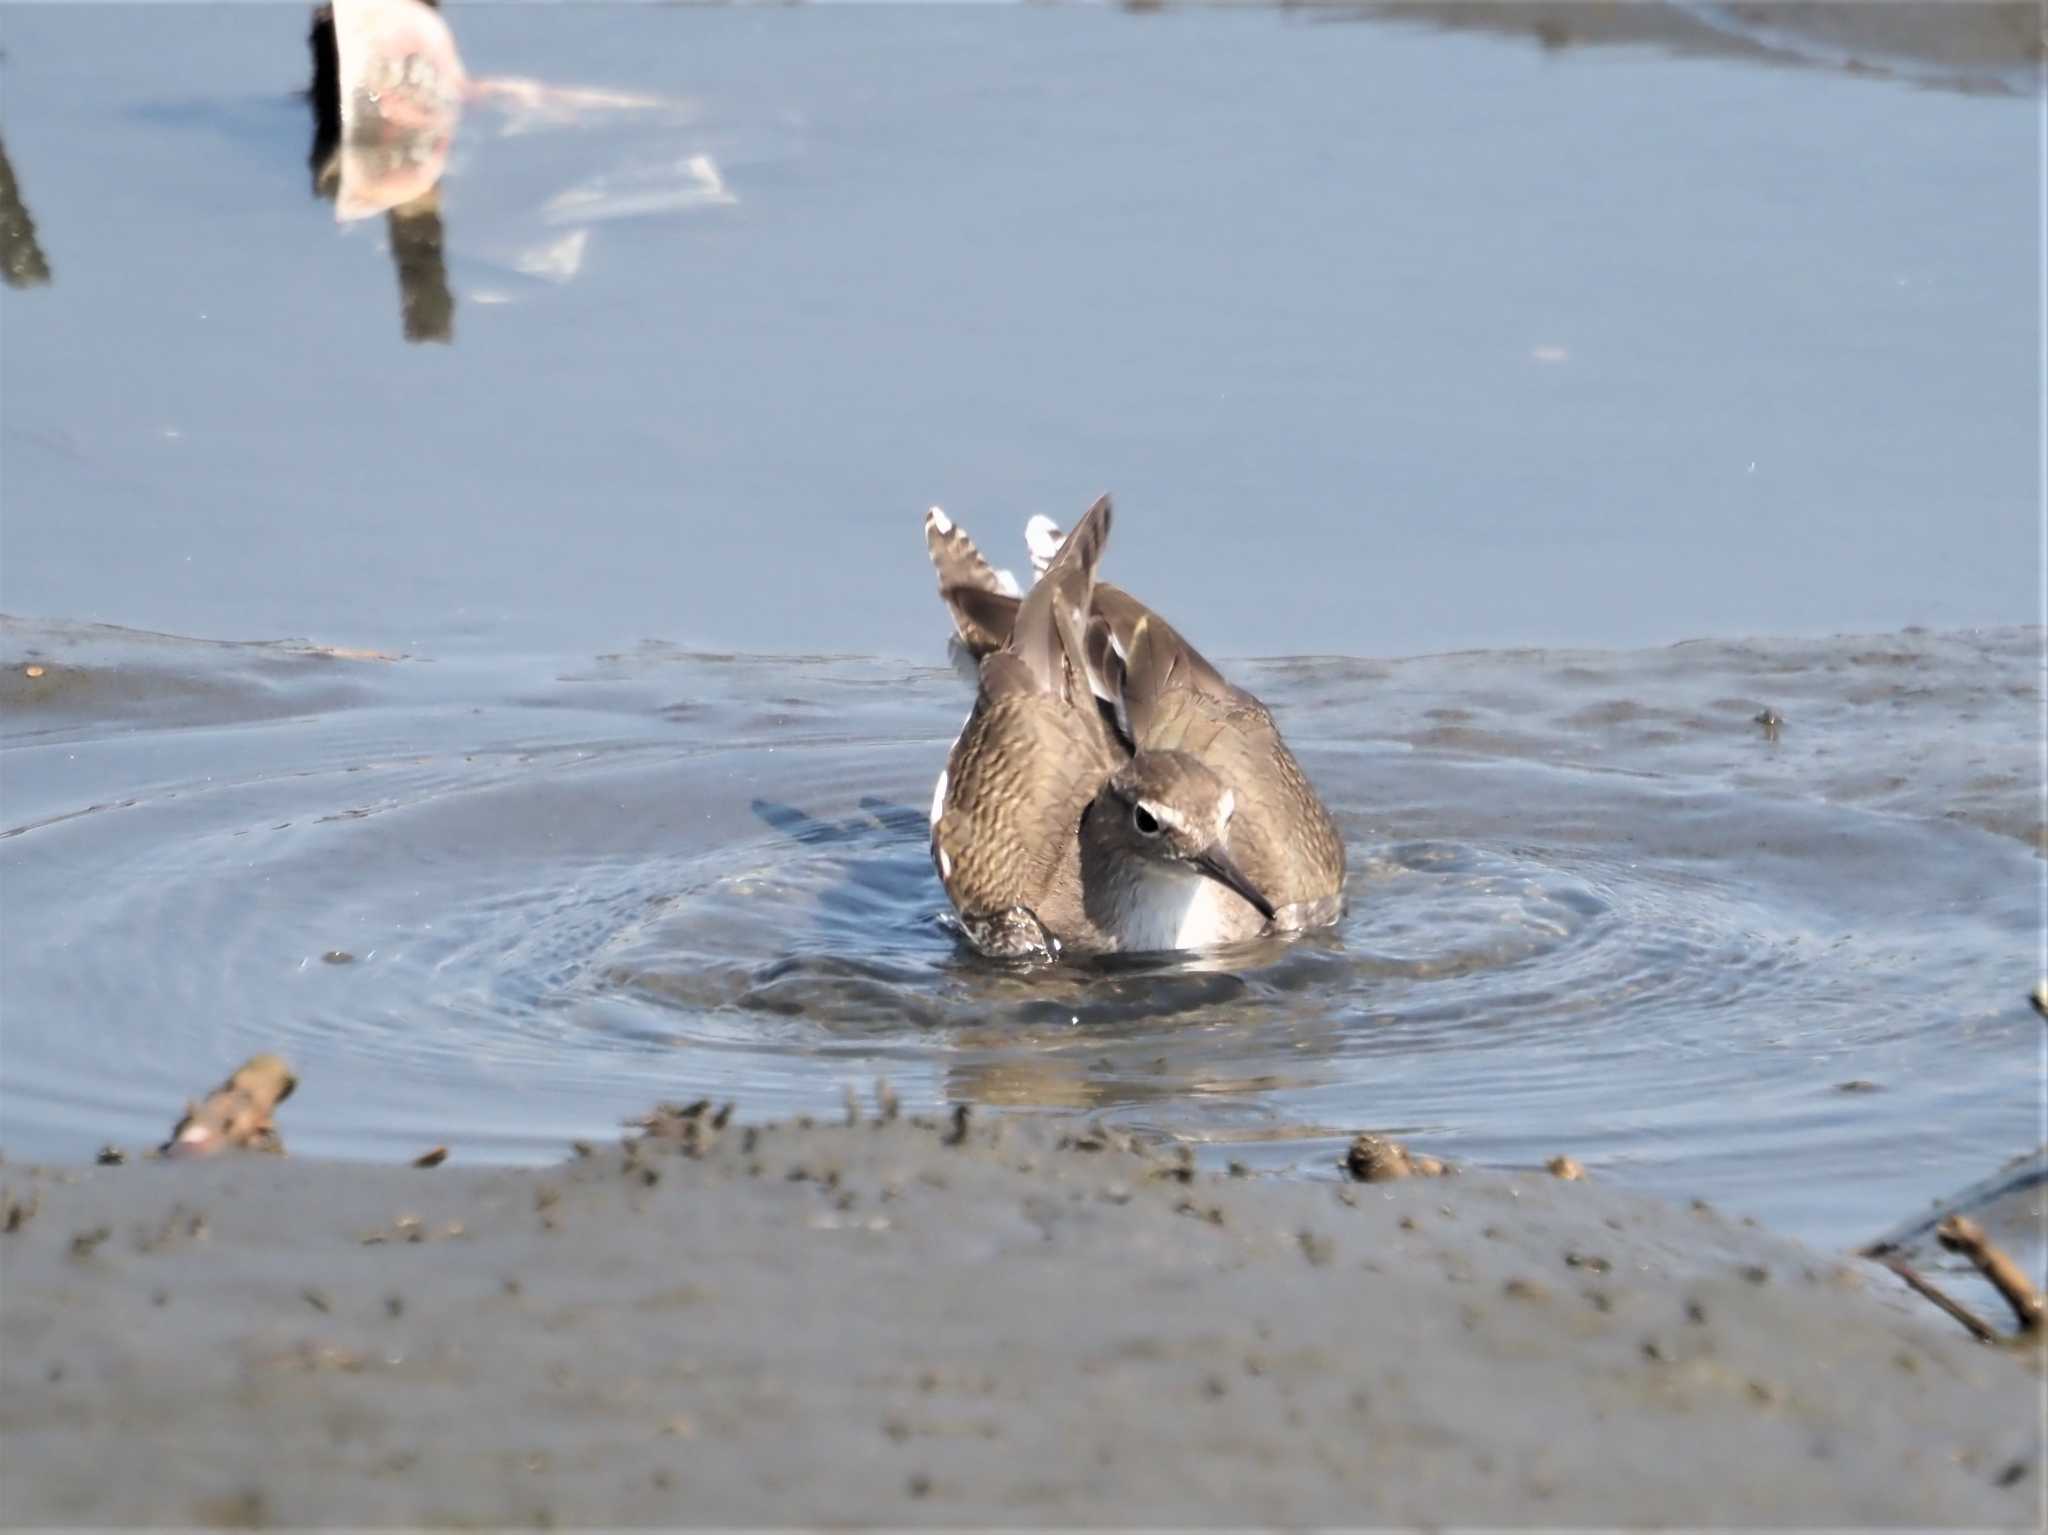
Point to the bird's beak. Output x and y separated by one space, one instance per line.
1218 866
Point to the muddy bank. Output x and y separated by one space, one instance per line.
891 1322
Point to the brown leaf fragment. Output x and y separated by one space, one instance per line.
1381 1159
237 1114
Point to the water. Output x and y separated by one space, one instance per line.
1391 338
1430 340
1595 909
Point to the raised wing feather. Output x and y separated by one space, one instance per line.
966 582
1031 758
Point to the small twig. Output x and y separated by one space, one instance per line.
1960 1234
1979 1329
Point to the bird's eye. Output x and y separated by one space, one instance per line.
1146 822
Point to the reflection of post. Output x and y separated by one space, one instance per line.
426 304
423 296
323 94
22 263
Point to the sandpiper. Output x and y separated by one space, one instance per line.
1111 791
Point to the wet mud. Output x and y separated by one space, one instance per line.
961 1321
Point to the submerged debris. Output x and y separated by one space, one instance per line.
1564 1167
236 1115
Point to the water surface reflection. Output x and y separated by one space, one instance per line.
22 262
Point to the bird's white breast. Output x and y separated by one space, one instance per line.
1164 908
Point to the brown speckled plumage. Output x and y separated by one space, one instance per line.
1080 686
1031 758
1281 834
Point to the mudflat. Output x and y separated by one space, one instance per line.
985 1320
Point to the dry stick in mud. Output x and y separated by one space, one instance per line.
1960 1234
1979 1329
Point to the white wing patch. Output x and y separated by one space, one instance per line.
939 522
939 798
1042 536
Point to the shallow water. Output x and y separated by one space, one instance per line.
1431 340
1390 336
1595 909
